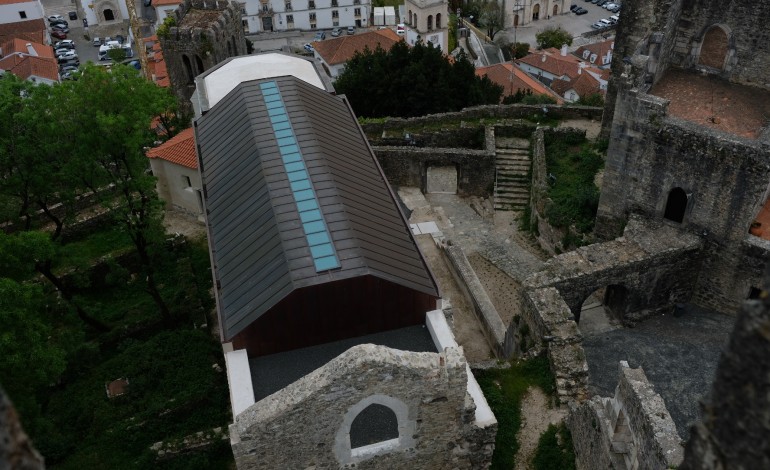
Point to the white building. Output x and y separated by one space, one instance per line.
163 9
12 11
528 12
104 11
427 22
282 15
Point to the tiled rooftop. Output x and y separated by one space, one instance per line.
715 103
342 49
180 149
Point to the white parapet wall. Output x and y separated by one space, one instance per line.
239 378
443 338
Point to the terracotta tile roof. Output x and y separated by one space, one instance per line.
11 2
599 48
29 26
180 149
25 66
552 61
585 84
340 50
14 45
512 78
156 64
157 3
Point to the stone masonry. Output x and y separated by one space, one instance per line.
633 429
204 33
307 424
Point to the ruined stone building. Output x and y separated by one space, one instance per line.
202 34
335 342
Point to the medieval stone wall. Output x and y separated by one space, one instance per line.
205 33
633 429
746 25
307 424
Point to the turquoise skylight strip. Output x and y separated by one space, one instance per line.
313 224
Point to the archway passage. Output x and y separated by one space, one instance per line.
108 15
536 12
555 10
713 51
375 423
442 179
676 205
602 310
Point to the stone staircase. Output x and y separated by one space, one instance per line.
512 167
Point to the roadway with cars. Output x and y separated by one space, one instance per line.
570 22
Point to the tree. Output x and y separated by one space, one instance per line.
491 18
413 81
116 55
553 37
594 99
519 50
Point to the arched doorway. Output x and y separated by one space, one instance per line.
536 12
676 205
602 310
108 15
515 20
555 10
199 64
188 69
713 51
438 20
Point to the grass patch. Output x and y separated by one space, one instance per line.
575 198
554 449
504 390
91 247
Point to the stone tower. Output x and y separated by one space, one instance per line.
202 34
428 21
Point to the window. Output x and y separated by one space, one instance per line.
266 8
438 21
335 23
186 181
312 25
356 2
334 3
335 14
430 22
290 18
676 205
357 12
288 6
22 14
311 5
312 16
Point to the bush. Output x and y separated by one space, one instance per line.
554 449
553 37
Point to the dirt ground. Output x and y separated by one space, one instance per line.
184 224
535 418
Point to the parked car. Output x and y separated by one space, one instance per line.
61 51
320 36
74 62
616 8
53 18
597 25
120 38
401 29
581 11
58 34
601 2
573 7
309 48
614 18
73 15
61 22
351 30
67 54
336 32
608 5
67 43
60 27
96 41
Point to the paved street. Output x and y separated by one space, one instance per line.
569 22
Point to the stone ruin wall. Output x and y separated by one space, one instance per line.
633 429
302 425
209 43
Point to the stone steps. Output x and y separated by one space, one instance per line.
512 177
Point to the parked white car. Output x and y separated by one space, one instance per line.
53 18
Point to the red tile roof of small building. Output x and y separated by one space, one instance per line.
156 64
584 85
30 30
26 66
342 49
599 48
552 61
11 2
179 149
14 45
512 78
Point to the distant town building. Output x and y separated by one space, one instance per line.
12 11
513 80
335 53
528 12
102 12
282 15
427 22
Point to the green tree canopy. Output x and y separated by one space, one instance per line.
412 82
492 17
553 37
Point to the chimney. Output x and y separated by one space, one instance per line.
564 50
542 58
31 50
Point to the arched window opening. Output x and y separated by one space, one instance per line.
199 64
430 22
188 69
108 15
229 49
375 423
410 18
536 12
603 310
515 20
555 10
676 205
438 21
713 51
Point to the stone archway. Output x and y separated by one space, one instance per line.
603 309
555 10
536 12
715 47
108 15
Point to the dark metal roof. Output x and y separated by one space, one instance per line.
259 245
